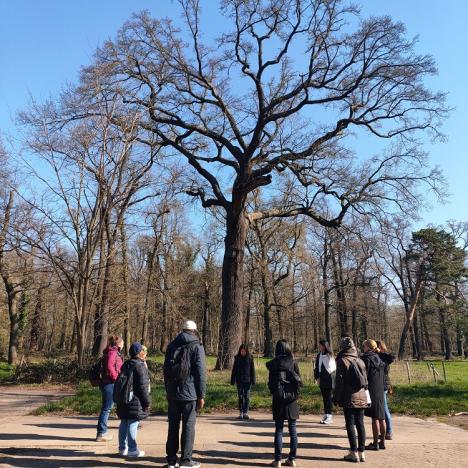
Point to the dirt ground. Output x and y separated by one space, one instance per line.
51 441
68 441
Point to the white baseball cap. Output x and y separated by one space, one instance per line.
189 325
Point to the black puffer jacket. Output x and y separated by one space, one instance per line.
282 411
243 370
141 397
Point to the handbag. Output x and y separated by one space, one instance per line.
368 398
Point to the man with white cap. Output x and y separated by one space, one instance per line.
185 380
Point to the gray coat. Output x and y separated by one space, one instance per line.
194 387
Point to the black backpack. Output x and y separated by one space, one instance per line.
95 373
287 386
357 379
123 386
179 365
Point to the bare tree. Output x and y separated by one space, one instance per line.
241 113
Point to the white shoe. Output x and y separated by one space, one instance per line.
276 464
173 466
328 419
136 454
104 437
322 421
362 457
123 453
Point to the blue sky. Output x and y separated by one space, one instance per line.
43 44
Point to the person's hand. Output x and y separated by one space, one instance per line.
200 403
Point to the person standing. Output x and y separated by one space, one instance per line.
111 363
324 374
284 382
387 359
185 381
375 376
350 394
137 408
243 375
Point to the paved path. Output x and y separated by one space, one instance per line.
67 441
17 400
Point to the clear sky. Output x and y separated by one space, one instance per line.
43 44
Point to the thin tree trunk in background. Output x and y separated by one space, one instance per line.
326 292
246 334
35 322
445 336
12 297
417 335
206 313
126 305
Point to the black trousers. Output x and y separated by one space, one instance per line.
187 412
327 399
355 417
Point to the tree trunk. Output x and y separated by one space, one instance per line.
444 328
409 317
246 335
14 327
230 333
206 313
127 335
326 293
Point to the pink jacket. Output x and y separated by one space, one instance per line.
111 364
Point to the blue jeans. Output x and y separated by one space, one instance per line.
127 435
279 425
388 416
107 404
243 392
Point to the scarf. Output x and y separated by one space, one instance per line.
328 362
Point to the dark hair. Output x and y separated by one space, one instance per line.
282 348
327 347
241 347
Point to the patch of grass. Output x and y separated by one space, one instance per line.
422 399
6 371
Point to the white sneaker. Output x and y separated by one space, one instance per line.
324 417
173 466
328 419
123 453
104 437
136 454
362 457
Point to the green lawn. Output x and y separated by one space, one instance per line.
6 371
422 399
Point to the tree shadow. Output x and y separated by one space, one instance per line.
64 425
12 436
28 458
269 445
300 434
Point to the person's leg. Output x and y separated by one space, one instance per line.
293 439
328 404
381 433
172 444
323 391
246 398
350 421
361 429
375 430
279 425
189 417
388 416
240 397
107 404
132 435
123 429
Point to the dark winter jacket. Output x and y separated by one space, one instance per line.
111 364
326 379
375 377
278 365
194 387
344 395
138 406
387 360
243 370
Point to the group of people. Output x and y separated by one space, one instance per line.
359 383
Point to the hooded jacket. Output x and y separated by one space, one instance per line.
135 409
111 364
194 387
387 359
344 395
